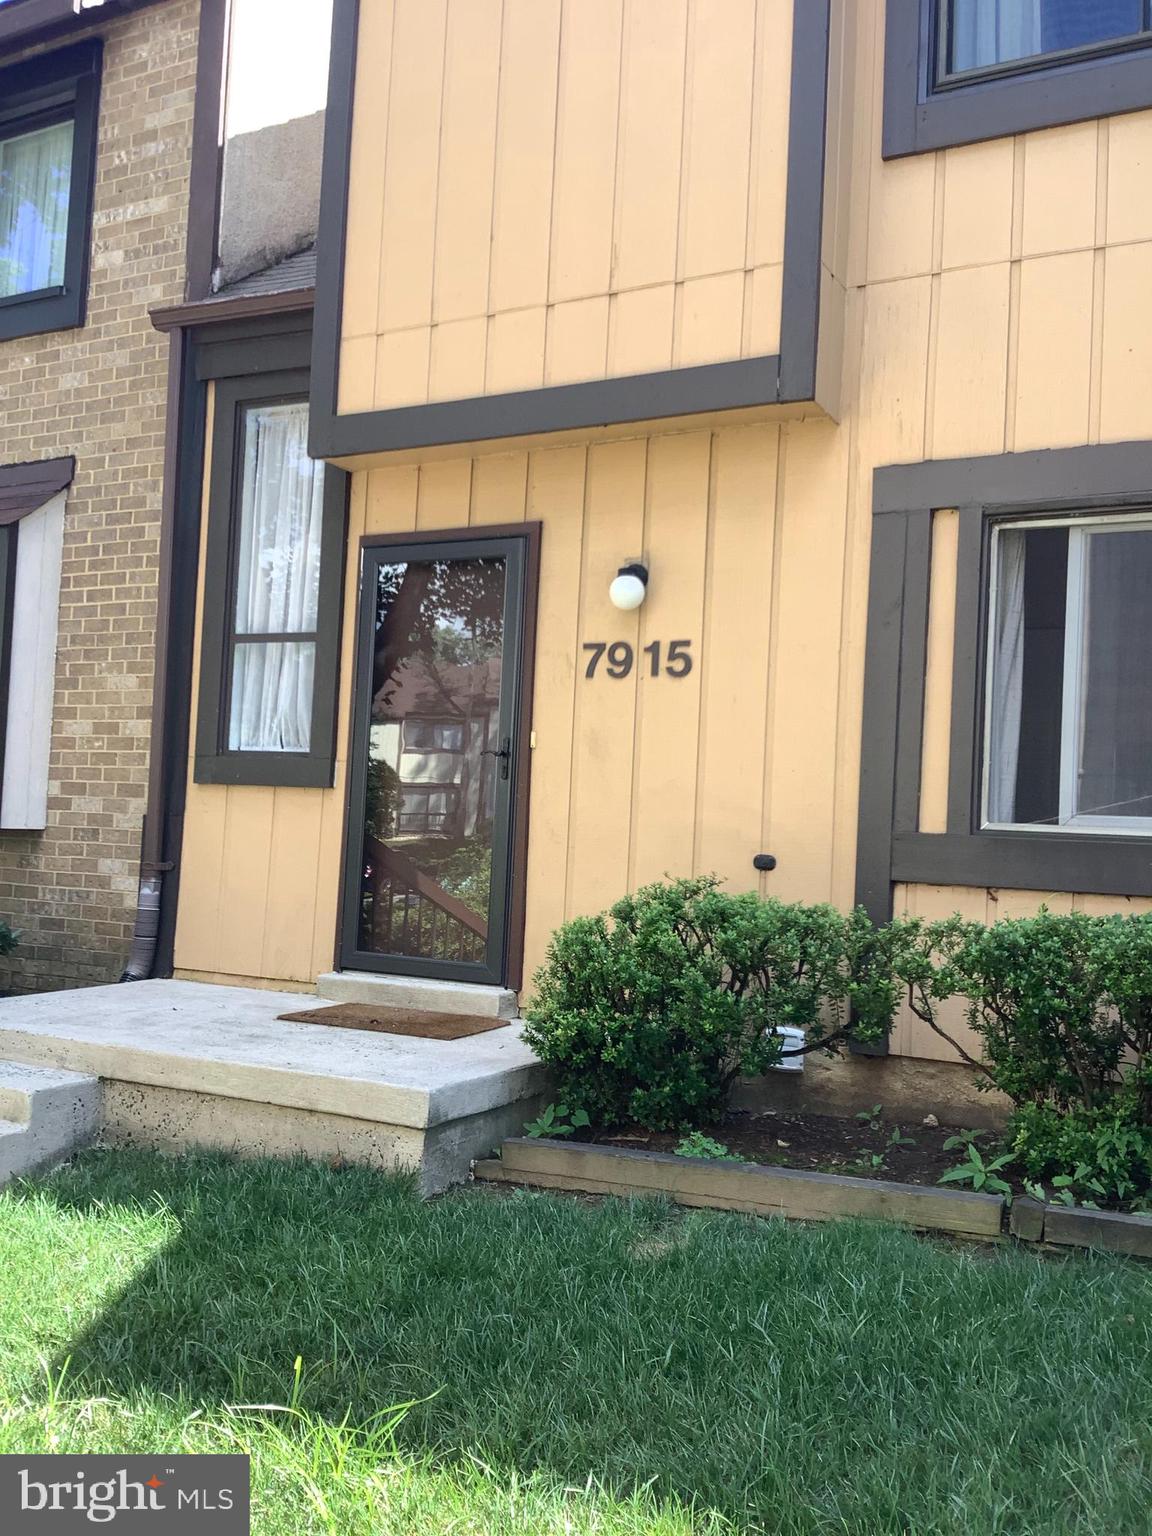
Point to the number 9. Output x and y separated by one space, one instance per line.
620 659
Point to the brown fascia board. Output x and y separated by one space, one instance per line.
247 307
25 488
28 21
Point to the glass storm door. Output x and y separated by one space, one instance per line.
433 764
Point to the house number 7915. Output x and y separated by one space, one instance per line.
619 658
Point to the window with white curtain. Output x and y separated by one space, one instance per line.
1069 680
986 34
278 546
49 122
35 183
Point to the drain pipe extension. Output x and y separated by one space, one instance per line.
142 955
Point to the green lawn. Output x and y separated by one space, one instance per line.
575 1368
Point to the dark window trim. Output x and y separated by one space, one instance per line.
68 80
890 848
783 378
919 116
215 763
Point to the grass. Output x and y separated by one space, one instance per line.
572 1368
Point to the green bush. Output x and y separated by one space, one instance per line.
649 1012
1062 1006
9 938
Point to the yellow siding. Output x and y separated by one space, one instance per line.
630 779
561 190
553 190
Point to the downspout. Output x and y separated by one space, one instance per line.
180 520
172 686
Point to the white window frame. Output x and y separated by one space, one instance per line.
1072 700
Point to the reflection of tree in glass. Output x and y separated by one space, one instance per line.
448 611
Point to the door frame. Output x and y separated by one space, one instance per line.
506 968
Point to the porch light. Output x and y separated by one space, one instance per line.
630 586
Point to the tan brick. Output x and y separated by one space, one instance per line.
99 394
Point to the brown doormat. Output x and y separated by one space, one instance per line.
397 1021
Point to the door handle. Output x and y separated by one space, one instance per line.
504 756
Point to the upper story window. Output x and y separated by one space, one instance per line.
48 121
35 178
959 71
977 35
1069 710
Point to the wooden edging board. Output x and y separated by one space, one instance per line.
765 1191
1078 1227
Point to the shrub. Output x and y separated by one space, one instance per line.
1062 1005
650 1011
9 938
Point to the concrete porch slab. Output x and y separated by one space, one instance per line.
188 1063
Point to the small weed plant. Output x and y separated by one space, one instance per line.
557 1120
980 1173
696 1144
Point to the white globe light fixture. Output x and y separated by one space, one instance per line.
629 587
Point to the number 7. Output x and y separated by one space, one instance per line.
597 647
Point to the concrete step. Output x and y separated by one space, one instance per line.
46 1114
418 992
186 1064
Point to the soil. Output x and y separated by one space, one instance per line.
823 1144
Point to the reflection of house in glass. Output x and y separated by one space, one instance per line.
433 732
431 800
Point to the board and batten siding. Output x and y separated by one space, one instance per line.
552 191
999 298
631 779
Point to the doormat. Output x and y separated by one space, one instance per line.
397 1021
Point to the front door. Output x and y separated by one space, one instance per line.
434 767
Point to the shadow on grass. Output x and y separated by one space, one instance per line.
846 1378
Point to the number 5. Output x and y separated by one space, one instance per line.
678 662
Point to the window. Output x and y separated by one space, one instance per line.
427 808
32 498
272 593
48 112
958 71
433 735
1069 726
1006 34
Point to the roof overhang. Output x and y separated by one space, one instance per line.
25 488
28 21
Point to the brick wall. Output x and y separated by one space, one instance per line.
99 393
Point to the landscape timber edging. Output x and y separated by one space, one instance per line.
753 1187
1109 1231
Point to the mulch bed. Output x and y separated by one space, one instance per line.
821 1144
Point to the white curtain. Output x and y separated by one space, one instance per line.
1007 677
35 175
994 31
278 581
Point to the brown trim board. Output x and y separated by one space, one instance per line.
890 848
207 150
783 378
